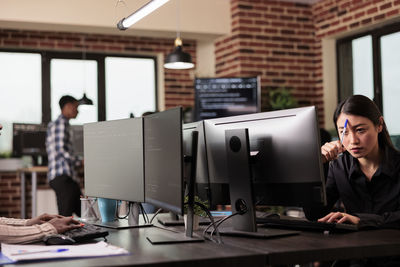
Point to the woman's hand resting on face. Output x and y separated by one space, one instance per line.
331 151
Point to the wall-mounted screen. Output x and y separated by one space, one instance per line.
223 97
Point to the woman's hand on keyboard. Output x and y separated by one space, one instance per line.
42 219
340 217
64 224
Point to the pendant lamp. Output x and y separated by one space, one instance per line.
178 59
84 100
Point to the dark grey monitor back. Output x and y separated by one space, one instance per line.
77 140
202 168
164 160
288 168
113 152
202 180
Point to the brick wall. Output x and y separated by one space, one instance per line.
334 17
281 41
178 84
10 192
275 40
10 195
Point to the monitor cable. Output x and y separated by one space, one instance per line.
222 221
117 212
155 214
205 209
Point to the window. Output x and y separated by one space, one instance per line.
74 77
21 98
369 64
130 87
32 82
363 81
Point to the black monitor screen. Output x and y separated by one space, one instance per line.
164 160
222 97
29 139
77 140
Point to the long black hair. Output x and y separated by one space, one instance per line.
360 105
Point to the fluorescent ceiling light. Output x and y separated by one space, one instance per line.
142 12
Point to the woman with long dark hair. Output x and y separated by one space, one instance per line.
364 168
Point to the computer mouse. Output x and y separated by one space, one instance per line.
58 239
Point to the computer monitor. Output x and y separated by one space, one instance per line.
163 160
164 163
114 166
226 96
202 183
77 140
30 140
285 168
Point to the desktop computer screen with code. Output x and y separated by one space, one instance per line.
163 160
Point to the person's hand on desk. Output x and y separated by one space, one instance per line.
64 224
340 217
42 219
331 151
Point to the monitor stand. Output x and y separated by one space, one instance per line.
241 190
170 238
171 219
132 221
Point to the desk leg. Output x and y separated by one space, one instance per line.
23 214
34 187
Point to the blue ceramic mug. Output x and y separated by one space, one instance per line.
107 208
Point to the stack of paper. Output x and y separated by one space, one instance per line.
39 252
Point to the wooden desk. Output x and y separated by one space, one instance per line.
313 246
306 247
177 255
33 171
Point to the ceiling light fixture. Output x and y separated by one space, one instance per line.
178 59
142 12
84 100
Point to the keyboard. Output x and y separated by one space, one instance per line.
303 224
86 233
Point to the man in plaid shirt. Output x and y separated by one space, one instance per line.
61 161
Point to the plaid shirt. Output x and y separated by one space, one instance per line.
59 149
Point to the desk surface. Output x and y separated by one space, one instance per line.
306 247
314 246
38 169
144 253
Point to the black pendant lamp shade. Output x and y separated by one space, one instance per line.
178 59
85 100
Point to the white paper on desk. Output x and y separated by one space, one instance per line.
99 249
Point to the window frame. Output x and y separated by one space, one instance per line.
48 55
376 34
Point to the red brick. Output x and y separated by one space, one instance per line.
372 10
393 12
385 6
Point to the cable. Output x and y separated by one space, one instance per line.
127 214
205 209
223 220
145 217
155 214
